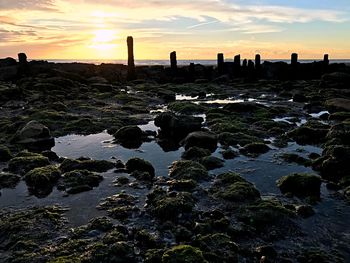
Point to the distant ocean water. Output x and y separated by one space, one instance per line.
179 62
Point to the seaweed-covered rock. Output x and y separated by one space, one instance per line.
140 165
77 181
255 149
295 158
169 206
205 140
130 136
33 136
211 162
188 170
232 187
42 178
8 180
309 133
183 254
239 138
218 247
177 126
301 185
23 164
98 166
186 107
338 104
5 153
195 153
182 185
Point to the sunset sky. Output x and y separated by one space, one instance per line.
196 29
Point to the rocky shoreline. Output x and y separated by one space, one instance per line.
201 210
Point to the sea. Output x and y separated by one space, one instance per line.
179 62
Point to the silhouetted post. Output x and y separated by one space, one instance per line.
173 61
294 59
131 62
257 61
237 65
244 63
221 63
326 59
22 59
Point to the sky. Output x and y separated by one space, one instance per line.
195 29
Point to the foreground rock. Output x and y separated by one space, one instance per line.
301 185
130 136
183 253
98 166
188 170
34 136
141 169
338 105
204 140
26 161
78 181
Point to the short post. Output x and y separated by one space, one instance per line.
294 59
245 63
237 60
221 63
326 59
131 61
173 61
22 59
237 65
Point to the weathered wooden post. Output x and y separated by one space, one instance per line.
131 61
221 63
237 65
245 63
173 61
257 61
22 59
294 59
326 59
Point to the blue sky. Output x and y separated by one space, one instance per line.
197 29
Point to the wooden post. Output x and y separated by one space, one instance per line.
22 58
131 62
173 61
326 59
257 61
294 59
221 63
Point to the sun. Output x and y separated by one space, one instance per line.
104 42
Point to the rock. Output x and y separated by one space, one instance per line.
77 181
6 62
295 158
305 211
229 154
52 156
183 170
24 164
140 165
8 73
177 126
298 97
309 133
185 107
5 154
211 162
239 138
255 149
301 185
8 180
169 206
129 135
182 185
337 80
195 153
338 104
182 254
232 187
205 140
34 136
99 166
243 107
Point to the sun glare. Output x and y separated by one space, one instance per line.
104 42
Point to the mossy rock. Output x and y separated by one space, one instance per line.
195 153
5 153
183 185
129 133
239 138
168 206
42 176
8 180
211 162
79 181
185 107
263 214
255 149
309 133
234 188
182 170
301 185
218 247
183 254
22 165
140 165
295 158
98 166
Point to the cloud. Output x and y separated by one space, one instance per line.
45 5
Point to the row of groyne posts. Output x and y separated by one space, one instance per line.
248 67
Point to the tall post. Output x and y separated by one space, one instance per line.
131 62
237 65
294 59
221 63
173 61
257 61
326 59
245 63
